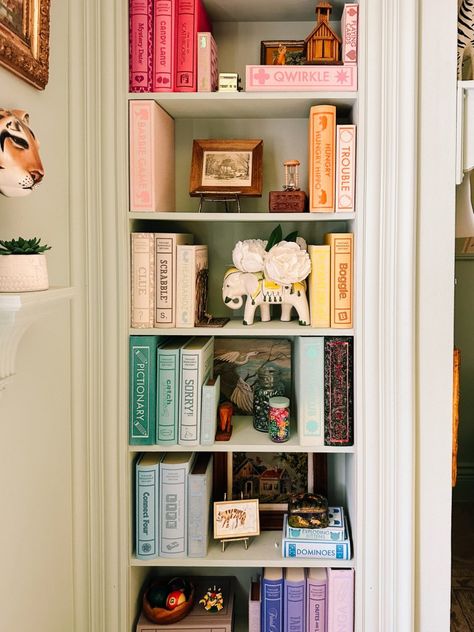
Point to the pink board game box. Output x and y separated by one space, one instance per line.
300 78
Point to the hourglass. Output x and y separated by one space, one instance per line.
291 199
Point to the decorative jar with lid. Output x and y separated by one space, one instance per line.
279 419
269 384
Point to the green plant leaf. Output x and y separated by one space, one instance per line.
292 236
22 246
275 237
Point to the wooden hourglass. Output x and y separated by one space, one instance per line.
291 199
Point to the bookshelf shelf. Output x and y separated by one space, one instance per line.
228 105
246 439
265 550
238 329
192 216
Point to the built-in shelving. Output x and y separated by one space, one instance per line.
280 119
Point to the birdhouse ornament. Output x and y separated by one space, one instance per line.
323 44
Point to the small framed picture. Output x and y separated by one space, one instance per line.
281 52
227 166
236 519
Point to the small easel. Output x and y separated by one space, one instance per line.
245 539
219 196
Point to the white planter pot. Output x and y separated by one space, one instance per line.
23 273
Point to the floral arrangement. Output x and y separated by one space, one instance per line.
283 261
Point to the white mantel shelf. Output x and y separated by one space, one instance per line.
17 313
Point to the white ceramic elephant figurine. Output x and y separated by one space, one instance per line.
263 293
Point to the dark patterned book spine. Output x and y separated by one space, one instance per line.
338 391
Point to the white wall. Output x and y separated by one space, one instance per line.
464 340
35 410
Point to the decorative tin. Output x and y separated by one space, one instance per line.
308 511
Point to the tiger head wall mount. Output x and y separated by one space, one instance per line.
21 169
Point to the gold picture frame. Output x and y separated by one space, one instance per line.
24 39
227 166
236 519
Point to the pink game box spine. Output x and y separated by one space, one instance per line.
341 599
350 33
345 168
163 54
191 17
140 45
207 72
300 78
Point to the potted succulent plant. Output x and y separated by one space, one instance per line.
23 265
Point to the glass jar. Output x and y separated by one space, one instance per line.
279 419
269 384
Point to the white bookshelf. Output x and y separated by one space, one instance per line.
281 120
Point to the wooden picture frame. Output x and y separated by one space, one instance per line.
227 166
269 50
271 518
24 39
236 519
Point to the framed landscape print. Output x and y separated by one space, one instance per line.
24 39
269 477
227 166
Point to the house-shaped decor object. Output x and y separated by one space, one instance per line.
323 44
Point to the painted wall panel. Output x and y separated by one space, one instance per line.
35 416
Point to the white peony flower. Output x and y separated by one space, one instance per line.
248 255
286 263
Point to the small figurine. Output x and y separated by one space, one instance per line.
213 601
281 55
224 428
323 44
291 199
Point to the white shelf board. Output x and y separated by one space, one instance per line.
237 328
12 302
264 550
193 216
246 439
266 105
18 311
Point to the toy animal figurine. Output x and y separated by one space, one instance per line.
21 169
466 36
263 293
281 55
